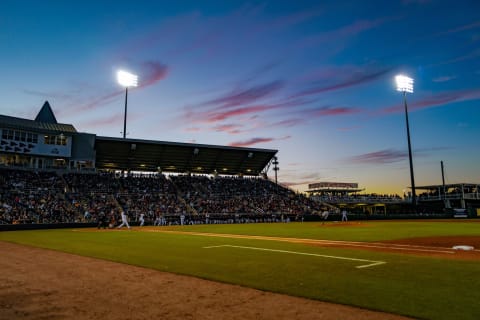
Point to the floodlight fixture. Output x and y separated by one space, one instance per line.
404 83
127 79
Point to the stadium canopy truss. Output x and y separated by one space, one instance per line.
148 155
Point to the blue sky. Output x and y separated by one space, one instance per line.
313 79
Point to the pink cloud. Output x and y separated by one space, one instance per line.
250 142
380 157
229 128
329 111
254 141
246 96
352 79
436 101
217 116
153 71
391 156
99 101
288 122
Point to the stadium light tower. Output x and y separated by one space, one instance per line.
405 84
126 79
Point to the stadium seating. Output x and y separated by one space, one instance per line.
51 197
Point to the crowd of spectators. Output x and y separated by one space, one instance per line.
358 197
234 195
33 197
52 197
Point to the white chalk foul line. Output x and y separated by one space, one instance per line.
379 245
371 264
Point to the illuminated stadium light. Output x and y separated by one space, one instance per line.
126 79
404 83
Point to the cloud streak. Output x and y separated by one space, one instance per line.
436 101
104 122
355 79
153 72
392 156
257 140
380 157
331 111
250 142
246 96
229 128
342 33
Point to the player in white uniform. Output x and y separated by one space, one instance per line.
142 219
325 215
124 220
344 215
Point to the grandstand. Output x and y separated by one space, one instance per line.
452 196
51 173
348 196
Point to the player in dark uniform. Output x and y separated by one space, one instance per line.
102 220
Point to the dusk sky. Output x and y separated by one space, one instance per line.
312 79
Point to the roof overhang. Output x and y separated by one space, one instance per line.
149 155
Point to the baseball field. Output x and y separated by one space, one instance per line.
354 270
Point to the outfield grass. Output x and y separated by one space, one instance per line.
417 286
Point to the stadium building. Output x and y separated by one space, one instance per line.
459 198
45 144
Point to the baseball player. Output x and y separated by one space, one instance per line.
142 219
124 220
325 216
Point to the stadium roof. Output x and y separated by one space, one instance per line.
448 185
46 114
45 121
148 155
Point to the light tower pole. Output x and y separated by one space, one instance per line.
405 84
275 168
126 79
